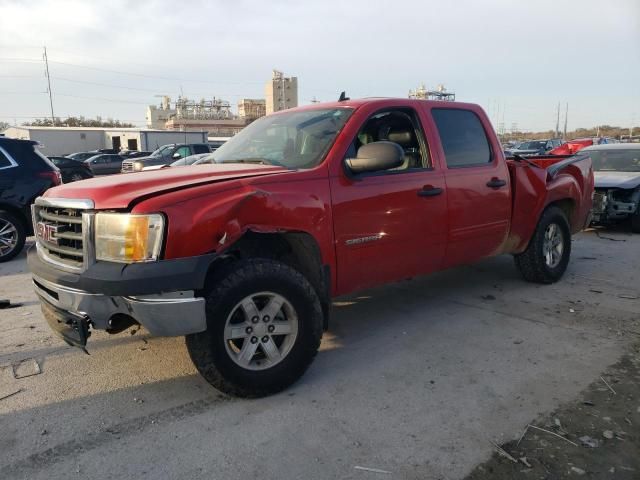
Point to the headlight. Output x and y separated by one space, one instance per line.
128 238
138 166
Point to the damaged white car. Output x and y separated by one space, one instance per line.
617 183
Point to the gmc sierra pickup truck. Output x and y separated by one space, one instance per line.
243 256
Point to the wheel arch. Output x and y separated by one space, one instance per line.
297 249
567 205
19 214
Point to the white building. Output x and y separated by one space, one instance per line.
65 140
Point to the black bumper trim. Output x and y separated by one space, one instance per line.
116 279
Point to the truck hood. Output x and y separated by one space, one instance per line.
617 179
120 190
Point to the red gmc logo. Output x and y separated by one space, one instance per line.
47 232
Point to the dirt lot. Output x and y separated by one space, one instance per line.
417 380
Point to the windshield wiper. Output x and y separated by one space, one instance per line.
246 160
257 160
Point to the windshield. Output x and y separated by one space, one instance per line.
532 145
297 139
163 151
615 160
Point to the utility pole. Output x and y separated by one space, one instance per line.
558 121
566 114
46 64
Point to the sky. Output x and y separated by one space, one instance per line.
517 58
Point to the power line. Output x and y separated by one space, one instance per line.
46 63
105 84
134 74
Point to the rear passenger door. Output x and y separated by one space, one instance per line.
478 185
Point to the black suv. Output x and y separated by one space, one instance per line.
24 175
165 155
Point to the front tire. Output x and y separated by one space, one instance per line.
264 325
547 255
12 236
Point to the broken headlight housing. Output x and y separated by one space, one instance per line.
128 238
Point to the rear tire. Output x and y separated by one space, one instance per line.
12 236
238 353
547 255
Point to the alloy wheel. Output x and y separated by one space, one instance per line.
260 331
553 245
8 237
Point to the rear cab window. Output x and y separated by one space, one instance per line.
463 138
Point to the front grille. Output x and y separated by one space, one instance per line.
127 166
60 234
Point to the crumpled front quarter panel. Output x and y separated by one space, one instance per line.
211 218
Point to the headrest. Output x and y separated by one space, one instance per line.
401 137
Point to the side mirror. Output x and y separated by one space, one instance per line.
176 156
376 156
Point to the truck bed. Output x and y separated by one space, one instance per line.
558 177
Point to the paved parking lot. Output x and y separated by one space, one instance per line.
416 379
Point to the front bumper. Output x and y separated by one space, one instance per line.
160 296
608 207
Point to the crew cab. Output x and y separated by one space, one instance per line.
243 256
164 156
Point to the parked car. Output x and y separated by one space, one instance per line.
302 205
197 159
617 183
24 175
574 146
71 170
535 147
81 156
165 155
104 163
135 153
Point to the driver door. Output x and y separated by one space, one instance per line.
391 224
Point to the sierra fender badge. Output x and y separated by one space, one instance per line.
361 240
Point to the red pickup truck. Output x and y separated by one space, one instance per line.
243 256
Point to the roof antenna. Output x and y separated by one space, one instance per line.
343 97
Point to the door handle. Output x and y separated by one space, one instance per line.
496 183
429 191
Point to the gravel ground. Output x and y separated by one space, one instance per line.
418 379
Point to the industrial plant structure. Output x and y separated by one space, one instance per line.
281 92
439 93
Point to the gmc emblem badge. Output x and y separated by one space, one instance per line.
47 232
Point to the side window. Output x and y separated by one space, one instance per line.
183 152
398 126
200 149
4 161
463 139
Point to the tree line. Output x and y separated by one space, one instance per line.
78 122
